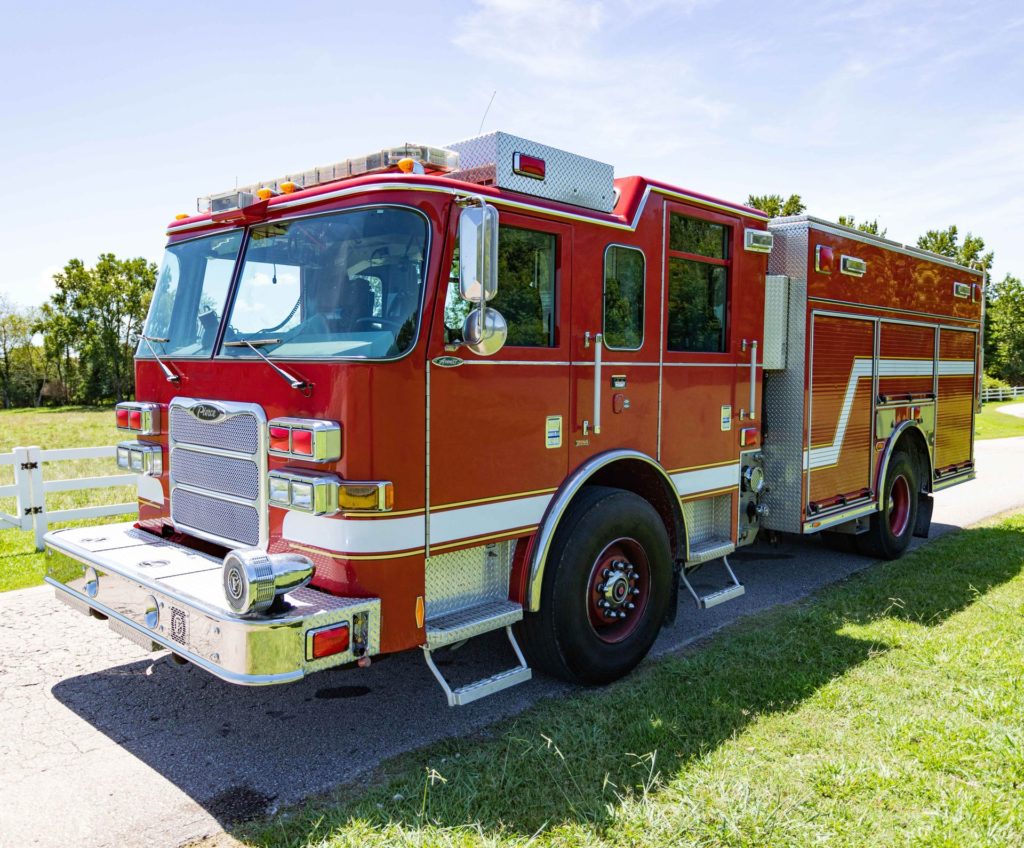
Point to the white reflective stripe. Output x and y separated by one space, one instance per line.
151 489
380 535
706 479
483 519
829 454
384 535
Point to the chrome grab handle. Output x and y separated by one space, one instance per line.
598 346
753 380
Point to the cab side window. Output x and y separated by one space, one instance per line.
623 297
698 277
526 286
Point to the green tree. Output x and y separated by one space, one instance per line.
872 226
970 252
1005 330
774 206
18 362
97 313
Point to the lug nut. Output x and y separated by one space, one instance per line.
634 591
601 587
630 606
606 573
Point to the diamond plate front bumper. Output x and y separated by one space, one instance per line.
163 595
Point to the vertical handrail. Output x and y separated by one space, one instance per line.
598 346
753 380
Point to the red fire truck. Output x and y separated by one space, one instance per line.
414 397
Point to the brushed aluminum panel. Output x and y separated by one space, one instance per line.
569 178
466 578
784 399
706 520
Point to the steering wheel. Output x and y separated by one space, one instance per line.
383 323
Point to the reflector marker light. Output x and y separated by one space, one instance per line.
852 266
141 418
529 166
319 493
823 259
758 241
433 160
327 641
305 438
141 458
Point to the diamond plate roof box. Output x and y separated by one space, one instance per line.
497 159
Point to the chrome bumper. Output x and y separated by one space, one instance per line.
163 595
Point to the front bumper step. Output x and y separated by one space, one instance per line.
156 592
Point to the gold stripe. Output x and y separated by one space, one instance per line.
359 515
515 496
698 467
521 531
339 555
148 502
708 493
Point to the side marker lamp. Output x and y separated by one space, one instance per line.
141 458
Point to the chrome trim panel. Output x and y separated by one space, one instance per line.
133 568
891 447
212 435
560 502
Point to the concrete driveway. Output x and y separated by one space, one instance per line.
102 744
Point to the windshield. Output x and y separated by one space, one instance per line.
343 284
190 294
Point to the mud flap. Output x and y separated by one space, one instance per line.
924 515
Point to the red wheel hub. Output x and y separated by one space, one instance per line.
899 506
618 590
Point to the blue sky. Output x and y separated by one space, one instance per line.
116 116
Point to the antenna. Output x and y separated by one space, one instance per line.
488 109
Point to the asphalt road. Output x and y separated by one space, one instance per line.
102 744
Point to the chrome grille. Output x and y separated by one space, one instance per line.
225 474
227 520
218 471
239 433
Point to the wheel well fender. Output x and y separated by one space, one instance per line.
910 438
622 469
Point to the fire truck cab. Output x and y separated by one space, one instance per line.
410 398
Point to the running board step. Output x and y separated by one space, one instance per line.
487 685
466 623
708 550
713 599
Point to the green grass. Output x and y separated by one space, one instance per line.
20 564
992 424
887 710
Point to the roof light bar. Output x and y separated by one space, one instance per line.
436 160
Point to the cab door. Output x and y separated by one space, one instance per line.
497 446
614 347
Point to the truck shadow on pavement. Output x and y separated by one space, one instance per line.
243 753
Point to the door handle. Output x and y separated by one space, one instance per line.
598 339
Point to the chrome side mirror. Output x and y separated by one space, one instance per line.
485 330
478 253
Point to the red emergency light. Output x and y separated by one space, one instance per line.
529 166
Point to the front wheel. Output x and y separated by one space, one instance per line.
606 586
892 527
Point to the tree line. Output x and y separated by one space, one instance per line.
78 347
1004 299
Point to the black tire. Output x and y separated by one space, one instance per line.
562 639
892 527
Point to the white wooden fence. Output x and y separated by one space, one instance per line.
1002 394
30 488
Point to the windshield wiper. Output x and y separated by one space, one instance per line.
294 382
171 376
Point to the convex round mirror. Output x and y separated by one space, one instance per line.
485 331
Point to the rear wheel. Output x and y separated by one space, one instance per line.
606 585
892 527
